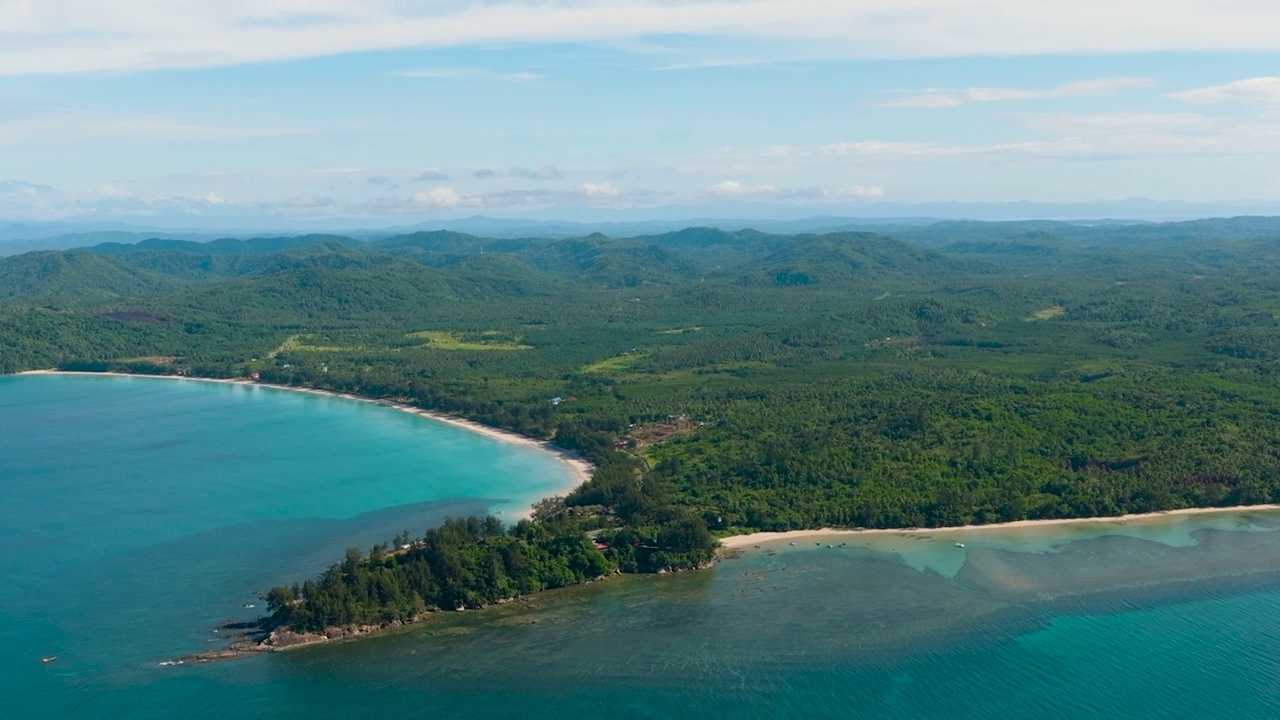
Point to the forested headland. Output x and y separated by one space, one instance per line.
722 382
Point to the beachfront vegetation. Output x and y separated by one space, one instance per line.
727 381
470 563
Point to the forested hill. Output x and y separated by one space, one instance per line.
917 375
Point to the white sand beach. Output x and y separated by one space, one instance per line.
828 534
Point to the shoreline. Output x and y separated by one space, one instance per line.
580 470
739 542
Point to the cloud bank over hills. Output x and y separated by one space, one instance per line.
283 113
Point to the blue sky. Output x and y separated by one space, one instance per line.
390 111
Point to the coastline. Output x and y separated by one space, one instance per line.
739 542
579 469
252 643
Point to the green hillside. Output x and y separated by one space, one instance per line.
73 276
956 373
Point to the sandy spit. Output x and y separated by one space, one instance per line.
740 541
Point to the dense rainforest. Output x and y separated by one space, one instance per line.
920 375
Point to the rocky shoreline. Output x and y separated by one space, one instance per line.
258 640
255 637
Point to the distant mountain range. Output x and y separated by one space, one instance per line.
20 237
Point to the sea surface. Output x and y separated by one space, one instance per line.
137 514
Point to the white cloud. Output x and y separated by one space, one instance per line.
1095 135
730 188
441 197
597 191
939 98
108 194
1120 122
1259 89
875 147
546 172
301 205
430 175
103 200
107 190
929 99
133 128
66 36
734 190
25 188
448 198
449 73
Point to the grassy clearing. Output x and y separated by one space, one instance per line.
301 343
1047 314
439 340
617 364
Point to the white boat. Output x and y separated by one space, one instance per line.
959 545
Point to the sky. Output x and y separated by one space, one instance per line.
396 111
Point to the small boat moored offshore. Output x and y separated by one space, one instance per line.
959 545
46 661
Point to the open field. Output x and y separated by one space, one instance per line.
439 340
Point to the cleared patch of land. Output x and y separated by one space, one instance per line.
303 343
440 340
1047 314
616 364
657 432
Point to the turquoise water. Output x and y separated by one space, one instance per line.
137 514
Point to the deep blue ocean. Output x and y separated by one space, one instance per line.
137 514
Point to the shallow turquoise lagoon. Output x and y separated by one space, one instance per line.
136 514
